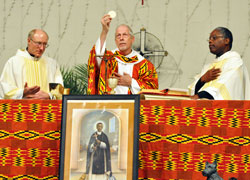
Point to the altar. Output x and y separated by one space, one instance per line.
177 137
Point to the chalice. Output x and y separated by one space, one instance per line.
56 89
112 84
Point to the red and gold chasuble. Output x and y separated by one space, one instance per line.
143 72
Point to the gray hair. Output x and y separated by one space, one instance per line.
129 29
32 32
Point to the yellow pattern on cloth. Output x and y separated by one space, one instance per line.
23 68
223 89
125 59
36 73
233 82
10 94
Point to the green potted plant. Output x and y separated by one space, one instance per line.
76 78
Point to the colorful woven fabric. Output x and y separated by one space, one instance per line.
143 72
125 59
178 137
96 76
29 139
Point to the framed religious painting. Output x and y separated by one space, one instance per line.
99 137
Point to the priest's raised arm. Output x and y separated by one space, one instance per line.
132 70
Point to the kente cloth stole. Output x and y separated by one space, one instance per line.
125 59
112 67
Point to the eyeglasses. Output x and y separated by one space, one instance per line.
125 36
40 43
213 38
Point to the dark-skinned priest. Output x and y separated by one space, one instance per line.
226 77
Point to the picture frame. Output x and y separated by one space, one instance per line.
99 137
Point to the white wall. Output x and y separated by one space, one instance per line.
182 26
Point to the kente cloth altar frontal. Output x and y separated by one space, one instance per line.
177 137
29 139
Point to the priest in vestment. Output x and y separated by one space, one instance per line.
225 78
132 70
29 72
